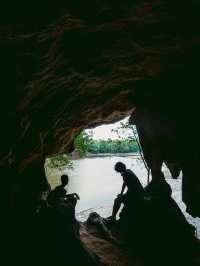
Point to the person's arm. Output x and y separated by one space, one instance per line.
77 196
72 195
123 188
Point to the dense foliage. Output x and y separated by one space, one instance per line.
84 142
58 162
112 146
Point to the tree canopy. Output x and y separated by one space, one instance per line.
85 143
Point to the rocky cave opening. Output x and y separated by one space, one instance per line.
79 65
163 139
91 165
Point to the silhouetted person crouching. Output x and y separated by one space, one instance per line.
134 196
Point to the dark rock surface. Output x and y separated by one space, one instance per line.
168 133
148 242
80 64
75 64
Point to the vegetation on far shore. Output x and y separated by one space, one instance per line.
85 143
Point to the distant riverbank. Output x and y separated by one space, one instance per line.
134 154
77 155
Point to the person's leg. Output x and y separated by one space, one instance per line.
116 207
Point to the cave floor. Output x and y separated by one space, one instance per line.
116 254
109 253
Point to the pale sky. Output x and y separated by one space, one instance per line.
105 131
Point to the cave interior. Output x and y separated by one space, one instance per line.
75 65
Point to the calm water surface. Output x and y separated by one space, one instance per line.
97 184
95 180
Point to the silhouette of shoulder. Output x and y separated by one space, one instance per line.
132 182
55 195
129 176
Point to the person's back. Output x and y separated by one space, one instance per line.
134 187
59 193
56 195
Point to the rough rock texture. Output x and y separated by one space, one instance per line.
75 64
165 137
81 68
109 253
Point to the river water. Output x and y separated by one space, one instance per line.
97 184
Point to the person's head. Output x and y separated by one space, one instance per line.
64 180
120 167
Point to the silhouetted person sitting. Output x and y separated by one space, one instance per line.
59 194
134 196
66 203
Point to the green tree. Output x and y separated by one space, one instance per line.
58 162
82 142
85 143
93 147
133 136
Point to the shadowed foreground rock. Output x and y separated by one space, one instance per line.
60 242
76 64
146 242
109 253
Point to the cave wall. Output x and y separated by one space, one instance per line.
77 64
168 134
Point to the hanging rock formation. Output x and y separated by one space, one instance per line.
168 133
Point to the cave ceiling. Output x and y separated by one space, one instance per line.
78 64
